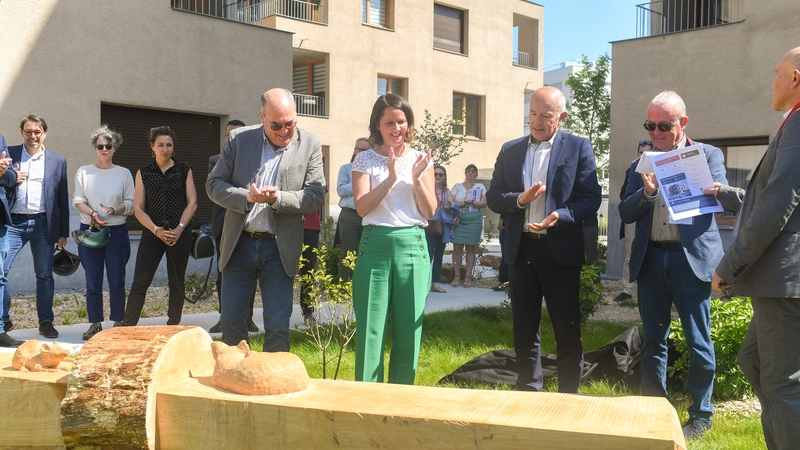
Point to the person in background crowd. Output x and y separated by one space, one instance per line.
8 179
217 222
545 184
164 202
436 243
104 196
394 192
350 226
673 264
627 231
39 214
471 198
502 273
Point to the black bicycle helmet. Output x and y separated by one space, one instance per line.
65 263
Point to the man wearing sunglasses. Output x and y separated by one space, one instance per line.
673 264
763 263
266 178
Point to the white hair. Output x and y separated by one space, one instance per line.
673 99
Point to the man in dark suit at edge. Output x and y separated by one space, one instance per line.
39 214
8 179
763 262
546 186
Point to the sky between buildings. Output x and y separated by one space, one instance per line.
573 28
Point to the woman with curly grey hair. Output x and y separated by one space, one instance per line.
104 196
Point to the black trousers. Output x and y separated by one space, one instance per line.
533 276
148 257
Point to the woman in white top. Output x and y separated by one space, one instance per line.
104 197
471 198
393 191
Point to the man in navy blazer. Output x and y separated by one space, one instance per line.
673 264
39 214
546 186
8 178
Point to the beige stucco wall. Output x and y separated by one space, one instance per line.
723 73
358 53
62 58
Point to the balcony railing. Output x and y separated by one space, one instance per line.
671 16
310 105
524 60
253 11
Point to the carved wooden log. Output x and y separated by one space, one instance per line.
110 400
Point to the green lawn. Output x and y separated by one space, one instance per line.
451 338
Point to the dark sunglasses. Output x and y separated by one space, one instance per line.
279 126
439 174
101 146
664 127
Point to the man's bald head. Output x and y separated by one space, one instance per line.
786 86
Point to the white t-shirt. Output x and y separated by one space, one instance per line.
111 187
399 207
460 194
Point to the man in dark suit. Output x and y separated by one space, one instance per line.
673 264
266 178
8 179
217 221
763 262
546 186
39 214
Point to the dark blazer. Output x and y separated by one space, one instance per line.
300 180
56 195
764 258
7 182
572 191
701 242
217 212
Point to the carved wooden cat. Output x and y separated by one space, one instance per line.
242 371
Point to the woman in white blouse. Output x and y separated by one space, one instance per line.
104 197
394 193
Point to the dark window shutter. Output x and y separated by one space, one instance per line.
448 28
197 139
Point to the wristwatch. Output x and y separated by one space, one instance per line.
182 225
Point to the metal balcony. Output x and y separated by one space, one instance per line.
671 16
310 105
523 59
253 11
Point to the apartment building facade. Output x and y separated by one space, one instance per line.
720 56
470 58
133 65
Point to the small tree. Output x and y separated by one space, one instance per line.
590 107
448 145
333 306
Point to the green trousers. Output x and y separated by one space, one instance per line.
392 277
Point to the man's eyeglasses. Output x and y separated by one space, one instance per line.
279 126
663 126
36 133
106 146
438 174
361 149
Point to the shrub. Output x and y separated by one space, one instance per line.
591 291
729 322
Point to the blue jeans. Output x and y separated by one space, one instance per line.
256 261
112 259
435 253
26 228
666 279
770 359
3 252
